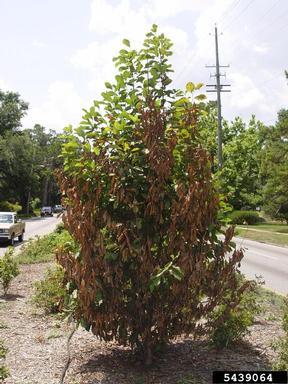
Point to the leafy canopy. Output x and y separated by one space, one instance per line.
274 168
12 109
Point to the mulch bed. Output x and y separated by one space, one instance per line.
37 348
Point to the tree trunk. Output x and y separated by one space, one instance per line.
23 201
45 192
28 203
148 349
148 357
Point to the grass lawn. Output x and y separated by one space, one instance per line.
266 233
281 228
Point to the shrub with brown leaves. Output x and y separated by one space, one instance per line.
142 205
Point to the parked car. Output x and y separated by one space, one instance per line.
58 209
46 211
11 227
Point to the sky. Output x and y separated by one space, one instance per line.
57 54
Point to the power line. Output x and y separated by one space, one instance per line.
189 61
284 26
252 35
237 16
268 11
232 6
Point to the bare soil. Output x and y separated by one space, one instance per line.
37 348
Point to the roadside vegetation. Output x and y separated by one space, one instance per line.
282 344
50 293
269 227
4 371
8 270
264 234
250 225
43 248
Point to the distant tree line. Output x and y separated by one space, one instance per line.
28 157
255 171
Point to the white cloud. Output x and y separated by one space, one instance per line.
118 22
261 48
128 22
96 55
245 93
97 59
166 8
119 19
39 44
3 85
62 107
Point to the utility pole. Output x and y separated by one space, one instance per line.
29 190
218 88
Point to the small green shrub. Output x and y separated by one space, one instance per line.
224 211
6 206
282 362
8 269
60 228
235 324
4 372
282 345
36 203
3 350
245 217
233 329
43 248
50 293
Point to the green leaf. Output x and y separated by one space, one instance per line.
181 102
126 42
185 133
198 86
71 145
154 28
200 97
190 87
176 272
154 282
96 151
126 147
108 85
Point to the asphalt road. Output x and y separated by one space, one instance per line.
265 260
34 227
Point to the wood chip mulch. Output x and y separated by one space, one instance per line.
37 348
